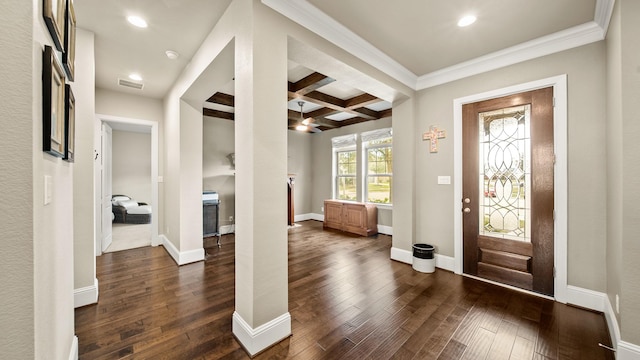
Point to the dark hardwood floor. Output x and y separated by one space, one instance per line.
347 301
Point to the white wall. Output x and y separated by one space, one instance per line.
217 172
131 161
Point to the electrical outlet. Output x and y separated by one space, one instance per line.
322 208
231 218
617 304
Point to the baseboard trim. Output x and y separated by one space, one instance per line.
442 262
311 216
401 255
586 298
227 229
182 258
627 351
304 217
73 352
86 296
624 350
445 262
384 229
612 321
256 340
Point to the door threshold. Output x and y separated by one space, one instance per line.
529 292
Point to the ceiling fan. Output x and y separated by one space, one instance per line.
307 124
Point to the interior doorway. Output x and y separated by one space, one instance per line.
103 194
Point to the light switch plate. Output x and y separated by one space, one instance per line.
444 180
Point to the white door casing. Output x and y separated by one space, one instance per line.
106 166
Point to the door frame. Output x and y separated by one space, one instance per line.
155 179
559 84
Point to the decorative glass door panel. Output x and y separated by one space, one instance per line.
505 173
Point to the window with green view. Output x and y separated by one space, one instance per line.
379 174
346 175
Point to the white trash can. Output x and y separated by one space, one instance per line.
423 259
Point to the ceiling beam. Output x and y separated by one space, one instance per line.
386 113
222 99
361 101
310 83
218 114
330 102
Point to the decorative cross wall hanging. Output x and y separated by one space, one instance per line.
433 135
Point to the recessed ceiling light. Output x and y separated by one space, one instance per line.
135 77
137 21
172 54
466 20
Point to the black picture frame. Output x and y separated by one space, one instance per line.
53 104
69 53
69 124
53 12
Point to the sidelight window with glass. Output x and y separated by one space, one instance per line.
378 157
505 173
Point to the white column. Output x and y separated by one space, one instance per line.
261 317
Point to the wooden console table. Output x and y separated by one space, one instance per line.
349 216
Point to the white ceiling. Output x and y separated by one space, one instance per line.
419 38
422 35
121 49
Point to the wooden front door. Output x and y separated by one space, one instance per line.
508 162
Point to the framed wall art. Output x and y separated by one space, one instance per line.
69 124
53 104
54 16
69 54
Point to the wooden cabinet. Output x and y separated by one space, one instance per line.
353 217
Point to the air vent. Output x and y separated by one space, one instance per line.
131 84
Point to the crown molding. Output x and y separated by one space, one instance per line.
604 11
563 40
310 17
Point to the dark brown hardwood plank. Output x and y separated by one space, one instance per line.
522 349
347 300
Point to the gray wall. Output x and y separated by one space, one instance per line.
299 164
623 222
217 172
131 161
321 157
218 175
585 67
614 158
